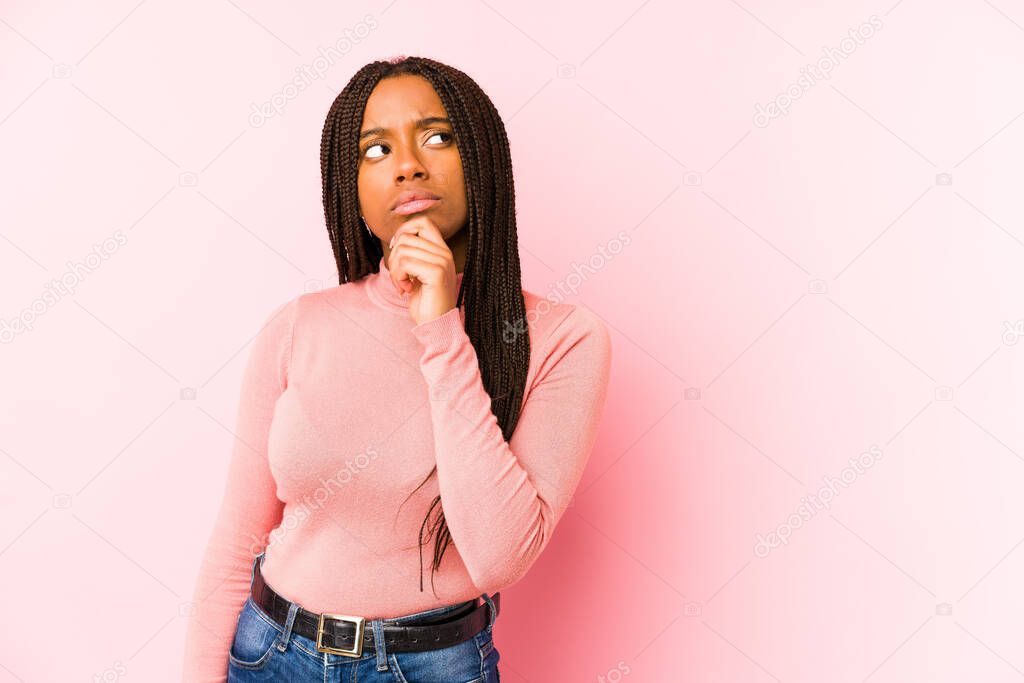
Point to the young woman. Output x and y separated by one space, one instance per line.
427 395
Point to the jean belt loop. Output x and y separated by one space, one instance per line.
493 612
289 622
378 644
255 563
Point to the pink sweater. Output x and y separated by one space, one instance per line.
346 405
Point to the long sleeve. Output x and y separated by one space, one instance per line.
502 500
249 509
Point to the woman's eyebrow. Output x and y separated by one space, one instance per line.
422 123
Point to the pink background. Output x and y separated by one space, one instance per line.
784 294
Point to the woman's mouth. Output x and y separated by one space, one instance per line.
414 205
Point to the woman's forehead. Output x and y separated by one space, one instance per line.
401 100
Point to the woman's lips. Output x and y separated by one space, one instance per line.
415 205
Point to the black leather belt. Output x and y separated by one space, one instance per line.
346 635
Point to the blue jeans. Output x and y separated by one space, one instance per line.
263 650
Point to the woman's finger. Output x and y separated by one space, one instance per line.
414 262
410 239
424 227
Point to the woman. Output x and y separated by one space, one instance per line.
427 379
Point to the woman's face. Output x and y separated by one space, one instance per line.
406 143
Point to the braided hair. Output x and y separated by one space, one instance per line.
491 290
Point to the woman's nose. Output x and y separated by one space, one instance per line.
408 164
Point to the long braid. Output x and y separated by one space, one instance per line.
491 291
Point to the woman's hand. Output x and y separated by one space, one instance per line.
423 268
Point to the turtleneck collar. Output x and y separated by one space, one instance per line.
383 293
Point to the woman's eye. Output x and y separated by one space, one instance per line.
448 136
376 144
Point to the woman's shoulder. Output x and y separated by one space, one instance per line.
567 338
296 310
319 301
555 323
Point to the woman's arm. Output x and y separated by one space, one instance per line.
249 509
501 499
